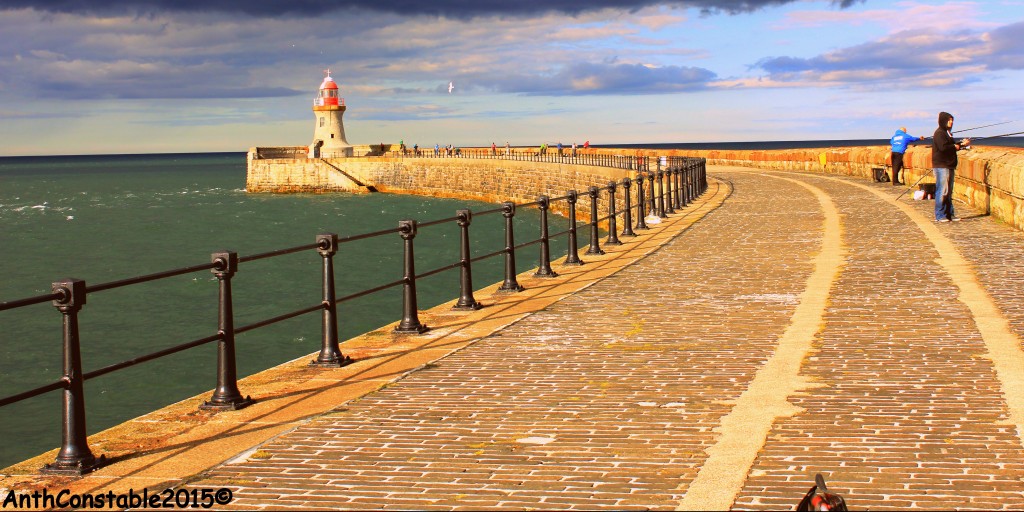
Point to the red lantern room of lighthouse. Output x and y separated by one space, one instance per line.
329 131
329 92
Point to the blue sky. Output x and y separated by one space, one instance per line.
154 76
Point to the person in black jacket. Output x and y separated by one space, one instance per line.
944 162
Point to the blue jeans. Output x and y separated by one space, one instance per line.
944 192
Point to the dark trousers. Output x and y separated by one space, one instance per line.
897 166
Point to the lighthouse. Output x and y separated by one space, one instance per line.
329 132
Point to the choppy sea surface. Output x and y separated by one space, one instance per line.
106 218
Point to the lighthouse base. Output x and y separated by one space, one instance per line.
344 152
334 150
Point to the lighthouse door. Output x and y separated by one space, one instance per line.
316 148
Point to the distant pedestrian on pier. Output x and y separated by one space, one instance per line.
494 149
508 149
944 162
437 149
559 148
574 149
899 143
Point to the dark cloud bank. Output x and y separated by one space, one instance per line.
178 79
449 8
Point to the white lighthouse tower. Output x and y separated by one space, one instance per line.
329 132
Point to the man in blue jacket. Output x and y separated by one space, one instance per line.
899 143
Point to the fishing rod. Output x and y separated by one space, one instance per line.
976 128
995 136
980 127
968 147
972 139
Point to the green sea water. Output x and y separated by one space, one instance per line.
106 218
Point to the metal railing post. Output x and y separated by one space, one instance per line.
677 174
226 397
683 185
573 256
74 457
685 169
508 210
688 171
640 200
669 203
410 323
670 189
466 300
651 204
695 172
703 175
661 195
544 268
627 209
595 245
698 180
330 354
695 176
613 227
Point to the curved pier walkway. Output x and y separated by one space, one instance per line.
806 324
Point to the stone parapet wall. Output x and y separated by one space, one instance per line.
295 175
990 179
487 180
490 181
299 152
277 152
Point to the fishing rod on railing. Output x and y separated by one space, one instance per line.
996 136
980 127
965 148
965 144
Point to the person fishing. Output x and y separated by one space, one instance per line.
965 144
899 143
944 162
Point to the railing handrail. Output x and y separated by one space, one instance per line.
69 295
581 156
549 155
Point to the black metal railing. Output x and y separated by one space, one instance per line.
680 181
549 155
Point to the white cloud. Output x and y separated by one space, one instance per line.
939 17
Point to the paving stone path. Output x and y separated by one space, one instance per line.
809 324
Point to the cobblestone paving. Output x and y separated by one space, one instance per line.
910 415
611 397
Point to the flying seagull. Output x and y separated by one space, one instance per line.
451 86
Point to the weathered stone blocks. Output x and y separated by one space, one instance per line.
990 179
